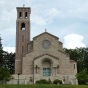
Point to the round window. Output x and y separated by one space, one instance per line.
46 44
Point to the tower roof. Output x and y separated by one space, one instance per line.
22 7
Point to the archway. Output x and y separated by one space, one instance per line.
46 65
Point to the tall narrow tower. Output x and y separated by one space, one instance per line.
22 35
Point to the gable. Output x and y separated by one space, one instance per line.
46 33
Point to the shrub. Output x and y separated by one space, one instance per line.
56 81
38 82
42 81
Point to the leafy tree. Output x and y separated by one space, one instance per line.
82 76
80 55
9 61
1 54
4 75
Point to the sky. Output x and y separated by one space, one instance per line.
66 19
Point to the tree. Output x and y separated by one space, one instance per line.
6 64
82 76
80 55
1 54
9 61
4 75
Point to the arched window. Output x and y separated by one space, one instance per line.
20 14
26 15
23 26
46 68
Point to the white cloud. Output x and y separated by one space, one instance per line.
53 12
38 20
7 19
9 49
73 41
45 17
54 15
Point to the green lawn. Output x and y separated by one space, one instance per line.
43 86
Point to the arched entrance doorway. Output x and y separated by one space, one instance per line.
46 66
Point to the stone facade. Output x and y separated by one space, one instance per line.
54 57
42 58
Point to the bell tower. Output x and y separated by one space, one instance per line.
22 35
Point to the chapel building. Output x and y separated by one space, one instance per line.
40 58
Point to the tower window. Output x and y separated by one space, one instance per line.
26 15
22 26
20 15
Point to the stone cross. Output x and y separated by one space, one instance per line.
23 5
45 30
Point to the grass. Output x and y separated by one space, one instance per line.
43 86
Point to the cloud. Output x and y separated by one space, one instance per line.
45 16
60 17
38 20
8 36
73 41
53 12
7 19
9 49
